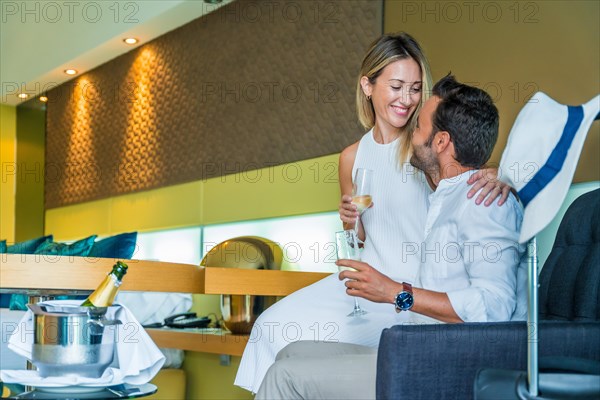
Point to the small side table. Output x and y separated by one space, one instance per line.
124 391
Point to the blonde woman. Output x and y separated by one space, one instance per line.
393 82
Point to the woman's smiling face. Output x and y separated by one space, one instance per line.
396 93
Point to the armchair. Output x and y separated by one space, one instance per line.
441 361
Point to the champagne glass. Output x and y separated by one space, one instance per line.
361 191
347 248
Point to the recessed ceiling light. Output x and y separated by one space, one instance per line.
70 71
23 95
130 40
43 99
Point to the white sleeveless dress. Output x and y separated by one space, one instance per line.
394 228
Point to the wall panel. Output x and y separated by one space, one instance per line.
252 85
513 49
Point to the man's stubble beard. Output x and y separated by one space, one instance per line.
425 163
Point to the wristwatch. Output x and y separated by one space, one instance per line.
404 299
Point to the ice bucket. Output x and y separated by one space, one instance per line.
245 252
71 340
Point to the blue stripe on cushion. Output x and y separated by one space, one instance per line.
557 157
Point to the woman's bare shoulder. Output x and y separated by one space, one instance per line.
348 155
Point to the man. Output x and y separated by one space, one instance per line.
469 259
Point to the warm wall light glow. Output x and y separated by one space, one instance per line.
130 40
43 99
80 148
70 71
23 95
141 137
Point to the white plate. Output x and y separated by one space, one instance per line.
70 389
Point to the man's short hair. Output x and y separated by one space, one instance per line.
469 115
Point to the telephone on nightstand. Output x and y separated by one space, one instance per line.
183 320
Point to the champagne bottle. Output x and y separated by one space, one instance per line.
105 294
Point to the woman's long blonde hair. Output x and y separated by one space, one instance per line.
382 52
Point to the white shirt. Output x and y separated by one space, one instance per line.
472 253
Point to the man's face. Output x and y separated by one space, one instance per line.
424 157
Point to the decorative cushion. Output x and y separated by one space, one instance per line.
79 248
118 246
29 246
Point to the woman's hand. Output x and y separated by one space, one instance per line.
486 182
348 211
349 215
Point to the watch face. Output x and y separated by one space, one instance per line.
404 301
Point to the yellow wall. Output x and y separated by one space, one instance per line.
512 49
207 379
29 197
304 187
8 135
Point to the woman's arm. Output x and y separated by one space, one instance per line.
347 210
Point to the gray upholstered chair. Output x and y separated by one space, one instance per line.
441 361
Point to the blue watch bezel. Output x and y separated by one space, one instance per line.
404 301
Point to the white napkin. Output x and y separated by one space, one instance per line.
137 359
33 378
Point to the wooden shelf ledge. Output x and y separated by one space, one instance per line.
20 271
206 341
257 282
28 271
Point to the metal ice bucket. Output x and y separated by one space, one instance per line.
245 252
70 340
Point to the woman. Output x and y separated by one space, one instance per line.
394 83
394 76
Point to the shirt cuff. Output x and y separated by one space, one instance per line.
468 304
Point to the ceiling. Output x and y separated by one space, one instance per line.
39 40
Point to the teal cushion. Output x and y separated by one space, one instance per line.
18 302
119 246
2 246
79 248
29 246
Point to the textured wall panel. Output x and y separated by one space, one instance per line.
254 84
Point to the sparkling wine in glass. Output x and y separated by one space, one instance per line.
347 248
361 191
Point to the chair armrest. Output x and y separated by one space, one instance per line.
440 361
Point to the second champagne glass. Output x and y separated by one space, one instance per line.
361 191
347 248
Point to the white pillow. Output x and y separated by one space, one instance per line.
152 307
